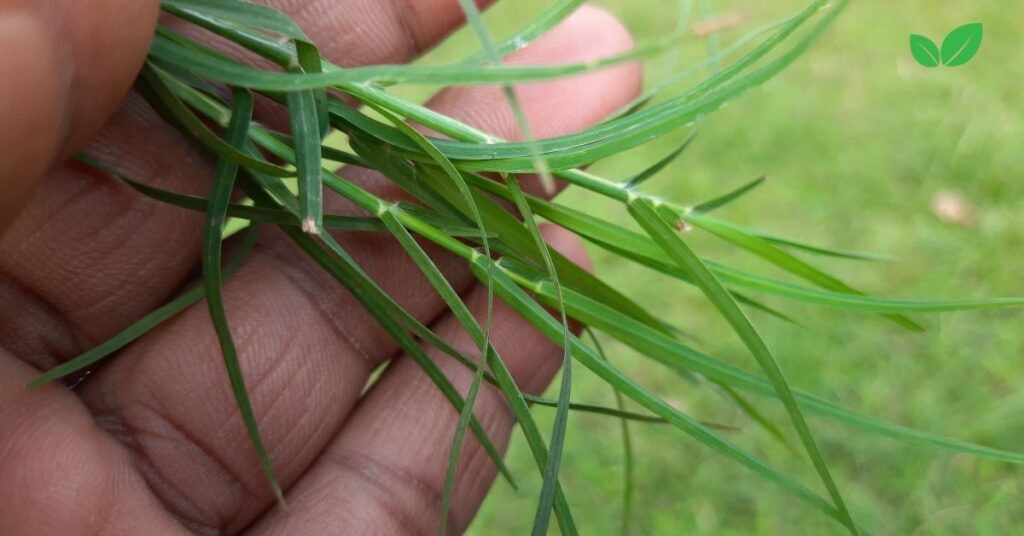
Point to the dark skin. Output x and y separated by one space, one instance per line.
152 443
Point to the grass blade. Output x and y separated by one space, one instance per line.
216 215
725 199
658 166
663 233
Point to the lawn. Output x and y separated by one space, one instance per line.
858 140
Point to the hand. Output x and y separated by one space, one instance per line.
153 443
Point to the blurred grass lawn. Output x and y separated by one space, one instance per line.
857 139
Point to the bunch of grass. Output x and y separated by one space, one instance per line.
468 214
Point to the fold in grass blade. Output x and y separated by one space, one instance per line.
658 166
146 323
529 309
729 197
163 99
786 261
216 215
604 234
664 234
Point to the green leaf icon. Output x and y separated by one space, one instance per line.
961 45
924 50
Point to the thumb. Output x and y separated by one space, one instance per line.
64 66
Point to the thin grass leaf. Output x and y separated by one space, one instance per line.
538 25
787 262
516 298
658 166
469 323
547 495
216 215
238 12
303 115
676 355
146 323
627 449
757 416
729 197
503 377
162 98
663 233
386 312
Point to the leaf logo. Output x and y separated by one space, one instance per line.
958 48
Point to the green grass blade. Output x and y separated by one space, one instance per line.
664 234
469 323
675 355
303 116
155 82
658 166
546 501
786 261
216 215
536 27
729 197
628 483
516 298
146 323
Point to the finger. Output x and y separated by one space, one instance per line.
385 472
61 474
307 346
65 66
88 255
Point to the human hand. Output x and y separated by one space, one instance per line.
153 444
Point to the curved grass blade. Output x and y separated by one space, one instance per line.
235 12
146 323
658 166
725 199
536 27
469 323
663 233
676 355
216 215
529 309
391 317
627 449
546 501
156 82
787 262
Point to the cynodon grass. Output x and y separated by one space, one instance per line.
493 226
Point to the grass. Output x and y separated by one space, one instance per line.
854 162
790 136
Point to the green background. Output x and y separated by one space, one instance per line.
857 139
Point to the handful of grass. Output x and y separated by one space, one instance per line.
467 214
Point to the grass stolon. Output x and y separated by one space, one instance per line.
460 210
